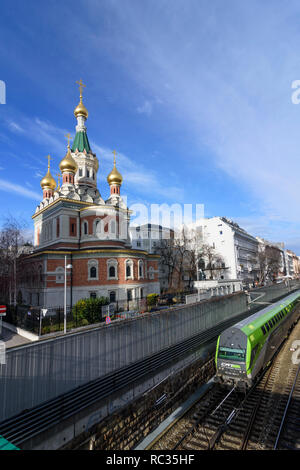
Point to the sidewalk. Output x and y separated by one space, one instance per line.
12 339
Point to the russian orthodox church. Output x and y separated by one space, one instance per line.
73 224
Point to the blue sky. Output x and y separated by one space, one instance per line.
194 95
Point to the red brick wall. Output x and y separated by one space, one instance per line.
80 271
90 220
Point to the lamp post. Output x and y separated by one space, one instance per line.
69 266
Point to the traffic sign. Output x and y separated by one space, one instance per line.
2 310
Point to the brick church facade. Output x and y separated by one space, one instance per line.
74 225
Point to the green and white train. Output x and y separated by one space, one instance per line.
245 349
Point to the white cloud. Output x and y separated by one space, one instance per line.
146 108
15 127
7 186
228 87
141 179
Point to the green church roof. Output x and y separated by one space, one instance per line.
81 142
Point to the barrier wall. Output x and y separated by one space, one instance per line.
39 371
42 370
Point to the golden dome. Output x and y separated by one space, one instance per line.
68 163
80 109
114 176
48 182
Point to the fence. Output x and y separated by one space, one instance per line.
273 291
34 320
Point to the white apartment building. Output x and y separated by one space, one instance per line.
148 237
283 259
237 247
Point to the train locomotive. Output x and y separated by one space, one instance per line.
245 349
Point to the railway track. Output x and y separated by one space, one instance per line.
267 417
288 436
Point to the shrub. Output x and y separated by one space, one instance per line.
87 311
152 299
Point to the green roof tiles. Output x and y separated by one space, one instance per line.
81 142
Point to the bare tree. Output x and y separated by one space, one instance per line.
175 256
215 265
185 255
12 238
269 260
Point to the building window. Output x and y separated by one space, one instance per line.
151 273
112 269
138 243
60 273
98 228
112 296
85 228
129 269
88 173
129 294
113 227
92 270
124 230
141 269
93 295
80 172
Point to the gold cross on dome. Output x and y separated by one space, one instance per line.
81 85
58 176
49 158
114 152
68 136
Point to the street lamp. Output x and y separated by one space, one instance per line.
69 266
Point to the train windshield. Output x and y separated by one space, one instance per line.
232 354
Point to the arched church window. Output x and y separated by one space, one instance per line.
98 227
141 268
151 273
88 173
80 172
92 269
113 227
85 228
93 272
112 271
129 269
